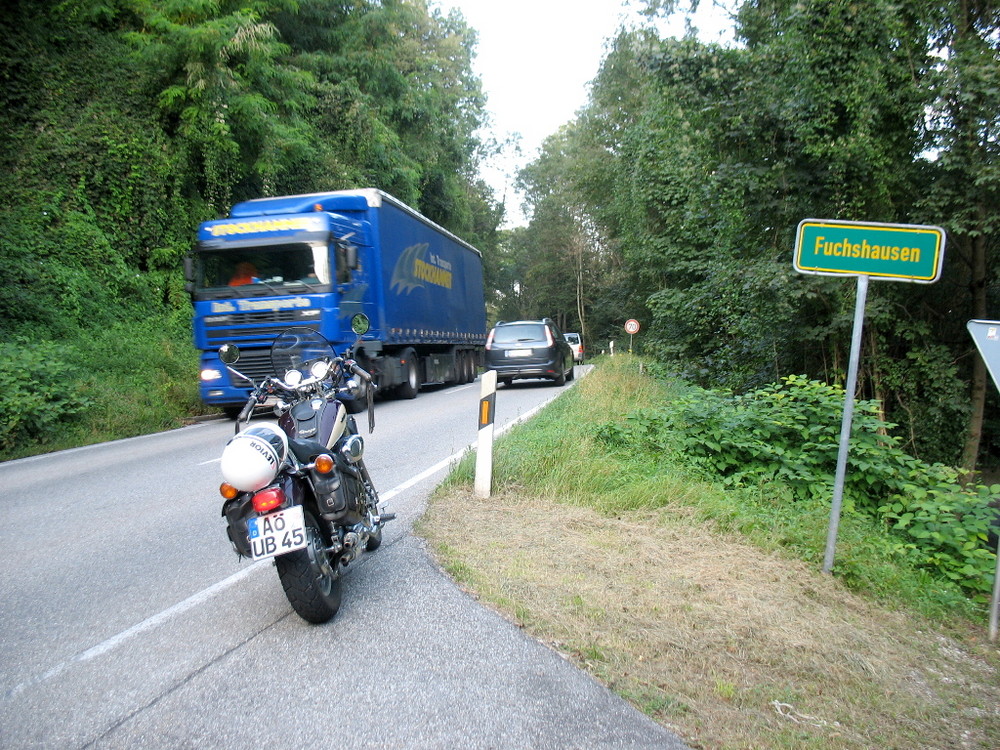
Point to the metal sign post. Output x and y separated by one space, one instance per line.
986 334
631 328
895 252
845 424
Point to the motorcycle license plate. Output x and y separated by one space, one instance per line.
277 533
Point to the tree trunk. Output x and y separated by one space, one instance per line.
974 432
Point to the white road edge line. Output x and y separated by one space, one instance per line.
206 594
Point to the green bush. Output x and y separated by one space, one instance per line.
39 395
787 435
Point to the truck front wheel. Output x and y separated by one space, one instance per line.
411 383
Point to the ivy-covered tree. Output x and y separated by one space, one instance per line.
708 157
124 123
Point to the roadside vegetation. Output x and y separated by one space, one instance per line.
671 197
124 379
125 123
686 576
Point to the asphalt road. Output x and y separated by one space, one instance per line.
127 621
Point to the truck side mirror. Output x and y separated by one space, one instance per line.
351 256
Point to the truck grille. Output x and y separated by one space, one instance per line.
257 324
255 364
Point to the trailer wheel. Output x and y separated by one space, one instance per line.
472 365
411 384
467 367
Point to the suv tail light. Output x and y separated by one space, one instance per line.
489 339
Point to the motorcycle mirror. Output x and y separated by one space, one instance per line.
360 324
229 353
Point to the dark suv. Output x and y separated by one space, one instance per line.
529 349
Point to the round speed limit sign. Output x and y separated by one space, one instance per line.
631 326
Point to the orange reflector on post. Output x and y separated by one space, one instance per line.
487 406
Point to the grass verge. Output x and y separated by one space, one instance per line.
127 378
703 615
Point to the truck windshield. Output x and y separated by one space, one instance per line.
298 264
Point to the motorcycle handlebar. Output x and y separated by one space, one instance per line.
360 372
247 409
256 397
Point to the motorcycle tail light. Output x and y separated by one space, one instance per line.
268 499
323 463
228 491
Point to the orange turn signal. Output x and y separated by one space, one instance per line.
324 463
228 491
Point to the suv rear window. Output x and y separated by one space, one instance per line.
514 334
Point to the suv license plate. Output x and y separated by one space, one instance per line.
277 533
518 352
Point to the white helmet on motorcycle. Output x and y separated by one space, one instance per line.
252 458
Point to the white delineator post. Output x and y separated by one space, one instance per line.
484 447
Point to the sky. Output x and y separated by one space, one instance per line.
535 59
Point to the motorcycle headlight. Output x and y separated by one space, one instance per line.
320 369
292 378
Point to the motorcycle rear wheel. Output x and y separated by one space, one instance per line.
309 579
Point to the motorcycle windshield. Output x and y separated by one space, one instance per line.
297 348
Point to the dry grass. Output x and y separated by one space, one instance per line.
729 646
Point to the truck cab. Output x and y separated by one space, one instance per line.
317 260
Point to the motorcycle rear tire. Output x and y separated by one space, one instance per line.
308 579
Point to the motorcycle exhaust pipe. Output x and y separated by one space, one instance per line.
348 557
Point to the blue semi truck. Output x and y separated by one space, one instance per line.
316 260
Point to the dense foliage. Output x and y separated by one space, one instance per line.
672 197
124 123
786 436
682 183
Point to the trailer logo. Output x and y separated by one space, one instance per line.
417 267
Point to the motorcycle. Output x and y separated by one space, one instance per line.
297 490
